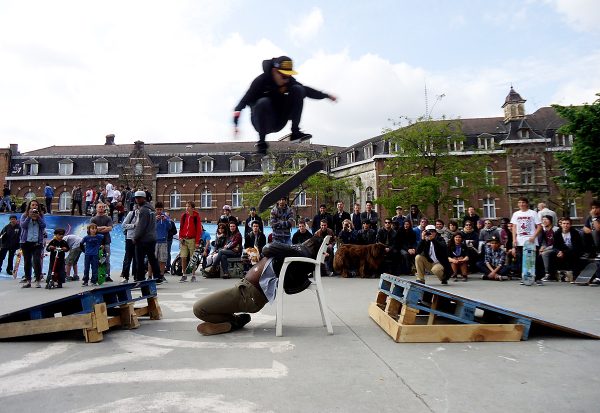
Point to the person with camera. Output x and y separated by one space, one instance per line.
347 235
432 256
32 242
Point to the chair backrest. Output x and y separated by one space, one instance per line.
323 250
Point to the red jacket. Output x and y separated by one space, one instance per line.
190 226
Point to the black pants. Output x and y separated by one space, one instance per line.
32 254
11 256
270 116
78 204
48 205
129 259
146 249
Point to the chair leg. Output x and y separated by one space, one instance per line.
279 298
322 302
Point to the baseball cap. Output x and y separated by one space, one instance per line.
227 207
284 65
140 194
494 239
430 228
399 207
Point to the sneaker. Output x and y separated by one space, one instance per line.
240 321
9 272
84 284
522 283
444 282
547 278
26 285
539 282
210 329
183 279
94 284
261 148
161 280
226 276
193 279
422 281
108 280
75 278
38 284
124 280
23 280
300 136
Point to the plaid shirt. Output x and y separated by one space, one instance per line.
495 258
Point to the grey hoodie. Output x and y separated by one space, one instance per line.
145 229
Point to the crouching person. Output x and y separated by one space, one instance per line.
250 294
494 265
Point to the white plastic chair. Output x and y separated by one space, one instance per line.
315 285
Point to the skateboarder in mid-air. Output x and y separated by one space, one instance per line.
276 97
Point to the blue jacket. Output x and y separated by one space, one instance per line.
24 222
163 224
48 192
91 244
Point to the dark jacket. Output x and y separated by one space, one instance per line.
145 229
250 220
10 237
258 241
264 86
387 238
441 252
372 217
299 237
576 242
337 219
366 237
316 224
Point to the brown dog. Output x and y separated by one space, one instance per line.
365 258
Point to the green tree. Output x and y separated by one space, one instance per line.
581 164
427 170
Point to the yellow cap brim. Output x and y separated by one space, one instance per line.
288 72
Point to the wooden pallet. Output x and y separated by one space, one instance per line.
93 311
411 312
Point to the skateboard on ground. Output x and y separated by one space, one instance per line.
528 271
294 181
589 273
101 267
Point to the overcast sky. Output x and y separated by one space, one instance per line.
172 71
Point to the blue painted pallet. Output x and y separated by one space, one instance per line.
464 310
83 303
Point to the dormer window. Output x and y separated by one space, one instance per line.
368 151
206 164
31 167
350 157
100 166
485 142
456 146
175 165
268 164
333 161
237 163
300 163
65 167
524 133
564 140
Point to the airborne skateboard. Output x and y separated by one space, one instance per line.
294 181
305 137
528 271
588 274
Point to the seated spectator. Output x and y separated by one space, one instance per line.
432 256
323 231
302 234
471 239
420 228
569 248
387 237
546 251
453 228
488 231
255 238
458 257
347 235
494 265
231 249
443 231
366 235
407 240
591 233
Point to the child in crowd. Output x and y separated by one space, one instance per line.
57 247
91 245
74 242
163 224
9 243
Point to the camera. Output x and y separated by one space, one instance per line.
428 233
34 211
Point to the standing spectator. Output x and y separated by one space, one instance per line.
432 255
9 243
527 227
370 215
322 232
323 214
89 199
170 235
144 238
423 222
355 217
125 196
129 199
190 233
458 257
546 242
453 227
74 243
471 216
506 236
399 217
109 196
255 238
148 195
544 210
282 221
414 215
163 224
105 225
569 249
443 231
387 236
302 234
407 239
48 195
471 240
57 248
128 226
366 235
253 217
76 199
5 201
226 217
33 227
91 245
339 217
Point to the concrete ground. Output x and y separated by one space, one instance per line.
166 366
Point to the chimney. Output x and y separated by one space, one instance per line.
110 139
14 149
139 145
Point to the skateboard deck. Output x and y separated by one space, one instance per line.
195 261
588 274
287 186
101 267
17 264
289 135
528 271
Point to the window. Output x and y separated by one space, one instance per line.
175 199
100 166
333 162
369 194
31 168
29 196
350 157
138 169
456 146
268 164
458 182
300 200
572 208
564 140
458 208
206 199
524 133
206 164
527 177
64 201
395 147
300 163
489 176
175 165
353 198
65 167
489 208
485 142
236 164
237 198
368 151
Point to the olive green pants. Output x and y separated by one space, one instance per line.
220 307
